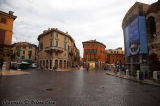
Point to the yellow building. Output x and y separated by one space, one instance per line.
6 30
57 50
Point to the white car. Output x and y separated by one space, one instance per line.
34 65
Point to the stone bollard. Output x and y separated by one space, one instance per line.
127 72
4 67
155 75
137 74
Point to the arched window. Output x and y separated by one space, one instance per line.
152 26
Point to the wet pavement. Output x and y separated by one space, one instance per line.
75 88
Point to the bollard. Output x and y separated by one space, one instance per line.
155 75
137 74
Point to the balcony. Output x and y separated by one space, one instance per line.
54 48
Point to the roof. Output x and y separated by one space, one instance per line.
23 43
45 32
10 14
153 8
94 41
131 10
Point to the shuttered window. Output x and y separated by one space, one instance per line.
2 36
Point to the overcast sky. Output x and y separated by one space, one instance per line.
82 19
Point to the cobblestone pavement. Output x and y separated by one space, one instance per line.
75 88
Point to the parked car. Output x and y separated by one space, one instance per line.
34 65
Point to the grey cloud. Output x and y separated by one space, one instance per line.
83 19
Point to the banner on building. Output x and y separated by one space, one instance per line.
136 41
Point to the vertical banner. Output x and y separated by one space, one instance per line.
136 39
127 41
143 35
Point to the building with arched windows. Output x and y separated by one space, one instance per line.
153 35
141 28
135 41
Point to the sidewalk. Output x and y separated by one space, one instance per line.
69 69
151 82
12 72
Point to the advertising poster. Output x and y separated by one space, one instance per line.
136 40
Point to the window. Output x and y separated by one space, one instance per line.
95 57
86 57
65 46
22 57
95 51
56 53
23 52
91 57
65 38
86 51
152 26
90 51
64 54
3 20
56 35
2 35
29 54
56 43
50 43
41 46
30 47
51 34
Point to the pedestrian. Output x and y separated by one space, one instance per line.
0 66
55 68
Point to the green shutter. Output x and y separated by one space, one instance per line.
56 43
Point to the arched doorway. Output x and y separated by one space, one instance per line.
60 64
64 63
56 64
67 64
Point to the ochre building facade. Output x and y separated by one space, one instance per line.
57 50
24 50
6 30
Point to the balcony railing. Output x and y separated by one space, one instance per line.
54 48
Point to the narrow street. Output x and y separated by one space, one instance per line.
77 88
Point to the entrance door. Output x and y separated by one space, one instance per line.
50 64
56 63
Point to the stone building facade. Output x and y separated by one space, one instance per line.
6 30
136 60
153 35
24 50
115 56
93 54
57 49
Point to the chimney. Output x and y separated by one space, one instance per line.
11 12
